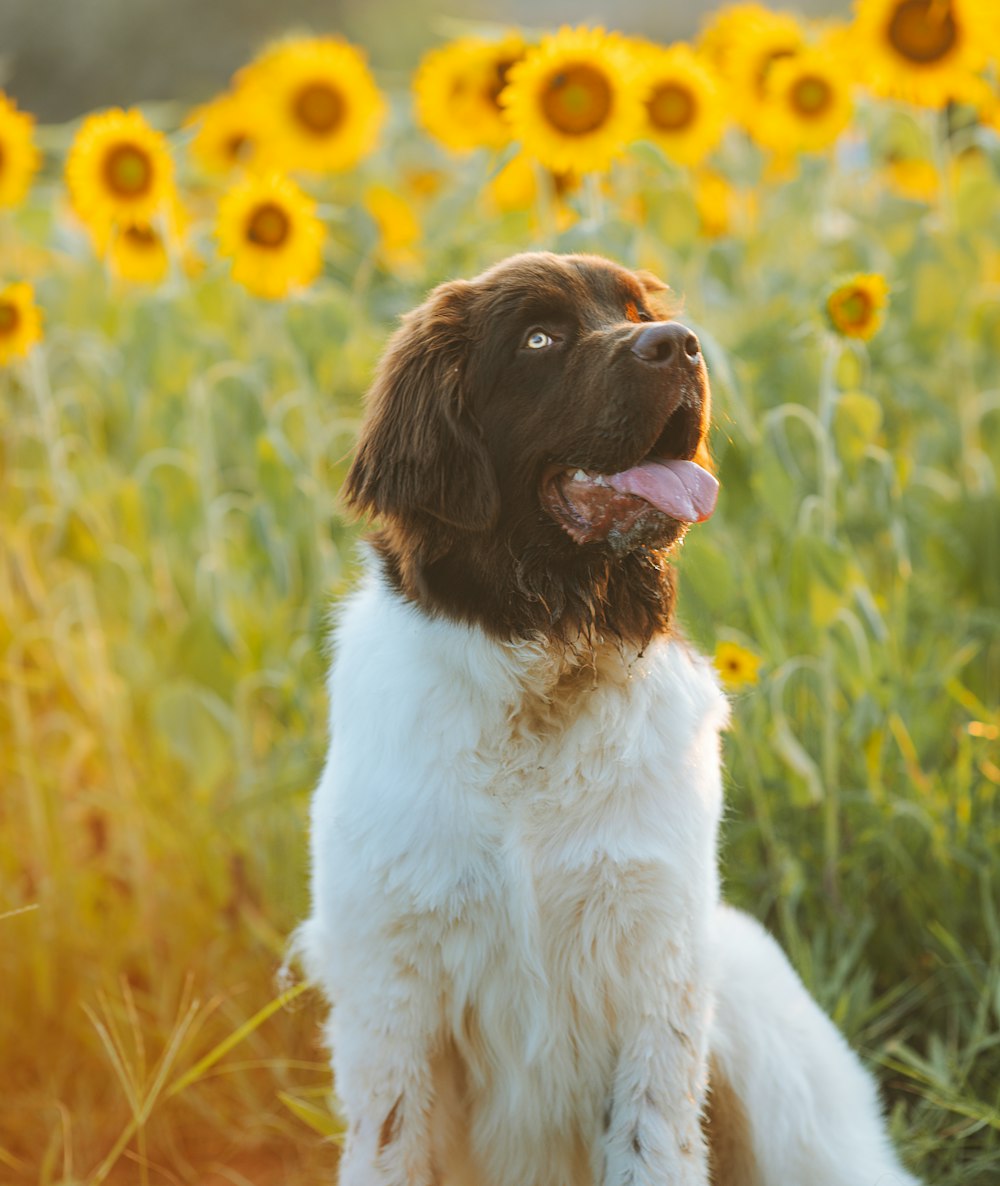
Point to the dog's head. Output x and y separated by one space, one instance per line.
534 445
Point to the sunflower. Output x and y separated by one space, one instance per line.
20 322
19 158
722 34
119 170
423 182
989 109
138 254
715 200
457 91
684 110
927 52
515 186
326 107
855 307
572 102
398 226
228 131
766 38
269 229
914 178
520 184
738 666
808 103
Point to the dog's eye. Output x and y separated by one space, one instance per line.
634 313
538 339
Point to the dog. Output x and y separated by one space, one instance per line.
515 896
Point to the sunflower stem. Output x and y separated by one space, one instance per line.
829 757
594 208
545 205
48 417
826 409
937 133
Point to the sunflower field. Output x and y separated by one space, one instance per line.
191 304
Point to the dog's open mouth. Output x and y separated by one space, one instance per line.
634 505
592 506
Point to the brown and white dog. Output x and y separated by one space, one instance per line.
516 909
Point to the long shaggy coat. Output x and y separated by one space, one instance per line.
516 913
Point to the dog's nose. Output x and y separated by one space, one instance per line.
665 342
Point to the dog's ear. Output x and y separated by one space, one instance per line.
650 281
421 450
660 297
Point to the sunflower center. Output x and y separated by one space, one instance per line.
237 146
811 96
672 107
855 308
128 171
143 238
10 319
319 108
922 31
577 99
268 226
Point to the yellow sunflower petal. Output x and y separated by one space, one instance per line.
515 186
20 322
457 91
726 29
715 200
573 103
915 178
138 254
268 228
19 158
119 170
398 226
326 108
856 306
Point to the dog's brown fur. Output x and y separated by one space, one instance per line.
727 1131
463 424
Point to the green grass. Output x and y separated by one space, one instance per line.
173 544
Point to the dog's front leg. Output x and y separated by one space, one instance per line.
383 1049
652 1119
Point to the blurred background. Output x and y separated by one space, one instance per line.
180 393
61 58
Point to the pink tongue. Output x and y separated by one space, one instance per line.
681 489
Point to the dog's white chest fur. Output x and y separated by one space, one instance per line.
530 842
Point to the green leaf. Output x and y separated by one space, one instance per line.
775 490
707 576
822 572
190 726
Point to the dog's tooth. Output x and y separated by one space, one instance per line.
580 476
